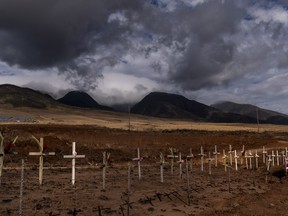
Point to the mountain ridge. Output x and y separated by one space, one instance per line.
250 110
160 104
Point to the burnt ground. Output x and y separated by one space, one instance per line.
252 192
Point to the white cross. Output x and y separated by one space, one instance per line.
180 164
190 158
243 155
209 162
236 160
138 159
230 154
268 162
256 160
246 160
277 158
273 158
73 156
202 158
216 156
283 157
40 154
264 153
162 162
250 156
225 160
172 156
286 165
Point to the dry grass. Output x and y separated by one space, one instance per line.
121 121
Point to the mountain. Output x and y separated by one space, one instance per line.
15 96
81 99
159 104
268 116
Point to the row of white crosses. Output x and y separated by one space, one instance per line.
41 155
269 159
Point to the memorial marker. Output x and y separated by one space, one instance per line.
277 158
273 158
286 165
41 155
138 159
190 159
188 183
246 160
243 154
269 162
202 158
216 153
180 161
225 160
73 156
106 158
264 153
209 162
250 156
162 162
230 154
5 150
256 160
236 160
172 156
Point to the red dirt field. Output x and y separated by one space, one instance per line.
253 192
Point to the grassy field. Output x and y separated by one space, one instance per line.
118 120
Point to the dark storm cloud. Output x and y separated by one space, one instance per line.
45 33
205 27
178 42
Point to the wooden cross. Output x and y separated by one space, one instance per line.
264 153
190 159
172 156
5 150
106 158
202 158
73 156
256 159
41 154
236 160
162 162
209 162
180 161
216 156
138 159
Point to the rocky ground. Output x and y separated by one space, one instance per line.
251 192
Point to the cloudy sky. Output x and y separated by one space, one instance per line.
120 50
